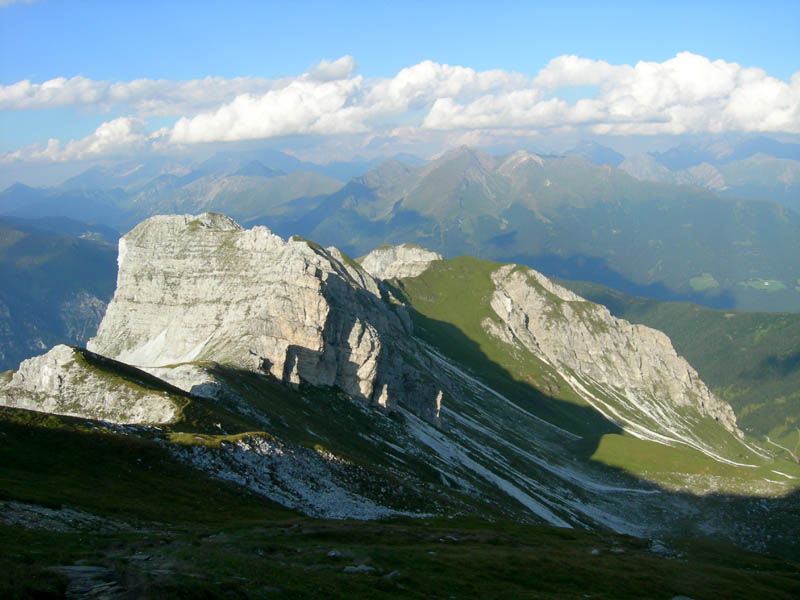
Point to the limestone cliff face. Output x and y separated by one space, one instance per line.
68 381
200 288
405 260
580 337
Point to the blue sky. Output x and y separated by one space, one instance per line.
191 39
507 87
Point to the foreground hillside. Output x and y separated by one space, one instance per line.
86 510
433 389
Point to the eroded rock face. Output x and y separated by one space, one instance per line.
200 288
405 260
580 336
64 382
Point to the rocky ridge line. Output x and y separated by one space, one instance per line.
64 381
580 336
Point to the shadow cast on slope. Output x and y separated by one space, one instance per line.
309 416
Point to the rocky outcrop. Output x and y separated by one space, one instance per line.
73 382
405 260
201 288
580 337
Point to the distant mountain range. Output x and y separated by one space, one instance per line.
596 153
756 169
572 216
246 184
56 277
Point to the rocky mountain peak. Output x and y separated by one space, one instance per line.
645 167
404 260
463 159
386 173
517 159
201 288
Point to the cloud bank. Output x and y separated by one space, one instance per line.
685 94
112 138
145 97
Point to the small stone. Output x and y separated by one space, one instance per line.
334 554
658 547
359 569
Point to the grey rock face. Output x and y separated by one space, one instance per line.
200 288
583 338
81 314
405 260
64 383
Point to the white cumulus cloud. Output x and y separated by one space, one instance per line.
117 137
330 100
326 70
145 97
684 94
302 107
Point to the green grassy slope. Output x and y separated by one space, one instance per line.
450 300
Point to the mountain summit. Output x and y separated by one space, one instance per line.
200 288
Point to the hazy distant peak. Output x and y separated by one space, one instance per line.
466 157
387 171
256 168
516 159
596 153
645 167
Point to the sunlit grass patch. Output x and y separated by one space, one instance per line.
705 281
764 285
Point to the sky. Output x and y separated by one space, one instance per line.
84 81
